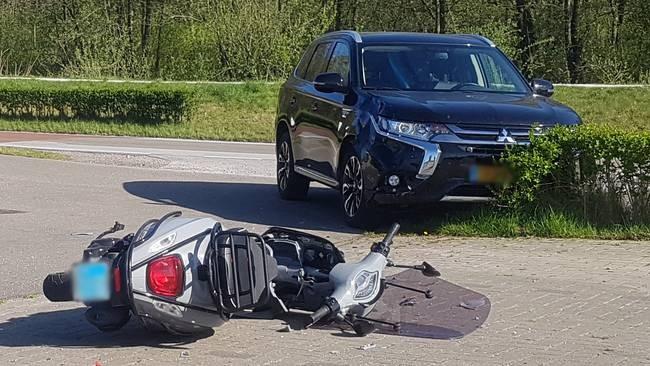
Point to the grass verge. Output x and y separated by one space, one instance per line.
493 222
627 108
246 112
29 153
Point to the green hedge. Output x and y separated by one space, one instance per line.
598 173
96 101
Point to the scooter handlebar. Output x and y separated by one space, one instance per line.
319 314
388 239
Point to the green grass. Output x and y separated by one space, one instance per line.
29 153
245 112
627 108
494 222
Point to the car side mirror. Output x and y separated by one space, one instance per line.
330 82
542 87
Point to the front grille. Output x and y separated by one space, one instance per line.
491 133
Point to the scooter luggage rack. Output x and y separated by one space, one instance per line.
215 277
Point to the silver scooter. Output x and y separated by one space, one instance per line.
184 275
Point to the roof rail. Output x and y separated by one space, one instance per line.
483 39
354 34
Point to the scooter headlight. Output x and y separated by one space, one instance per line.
365 284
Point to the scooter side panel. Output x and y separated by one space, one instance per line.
196 293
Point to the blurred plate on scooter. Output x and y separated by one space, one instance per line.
91 282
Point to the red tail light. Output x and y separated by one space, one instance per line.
165 276
117 280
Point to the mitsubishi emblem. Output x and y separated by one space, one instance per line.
505 137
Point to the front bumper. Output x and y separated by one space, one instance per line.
428 172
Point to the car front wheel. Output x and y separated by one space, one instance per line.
357 209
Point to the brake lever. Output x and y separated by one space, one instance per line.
426 269
116 227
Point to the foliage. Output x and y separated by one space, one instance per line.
94 101
597 173
562 40
233 112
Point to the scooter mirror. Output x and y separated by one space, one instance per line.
363 328
429 271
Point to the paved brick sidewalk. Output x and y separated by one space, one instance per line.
553 302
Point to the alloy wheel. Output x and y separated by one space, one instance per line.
352 187
283 165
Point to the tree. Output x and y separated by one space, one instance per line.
572 39
617 10
526 34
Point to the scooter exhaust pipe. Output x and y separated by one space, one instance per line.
57 287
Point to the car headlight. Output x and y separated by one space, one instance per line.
364 284
416 130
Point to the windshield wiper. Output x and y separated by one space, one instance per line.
382 88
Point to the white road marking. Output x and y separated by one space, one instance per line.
58 146
208 82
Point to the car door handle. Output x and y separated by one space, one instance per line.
314 107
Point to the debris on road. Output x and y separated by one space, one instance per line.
368 346
472 304
286 329
409 301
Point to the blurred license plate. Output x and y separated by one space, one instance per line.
488 174
91 282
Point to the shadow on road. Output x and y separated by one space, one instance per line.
68 328
247 202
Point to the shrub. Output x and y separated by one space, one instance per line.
599 173
95 101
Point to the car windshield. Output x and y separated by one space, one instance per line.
428 67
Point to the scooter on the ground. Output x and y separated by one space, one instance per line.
184 275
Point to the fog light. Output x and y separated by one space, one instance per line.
393 180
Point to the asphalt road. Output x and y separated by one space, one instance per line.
50 210
552 301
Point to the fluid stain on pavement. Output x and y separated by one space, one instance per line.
10 212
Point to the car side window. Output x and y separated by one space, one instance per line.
495 75
340 61
318 61
301 69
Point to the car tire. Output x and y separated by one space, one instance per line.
358 210
291 185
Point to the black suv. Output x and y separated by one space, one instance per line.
404 118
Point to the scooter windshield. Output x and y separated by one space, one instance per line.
452 312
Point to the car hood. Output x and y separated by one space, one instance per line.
463 107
